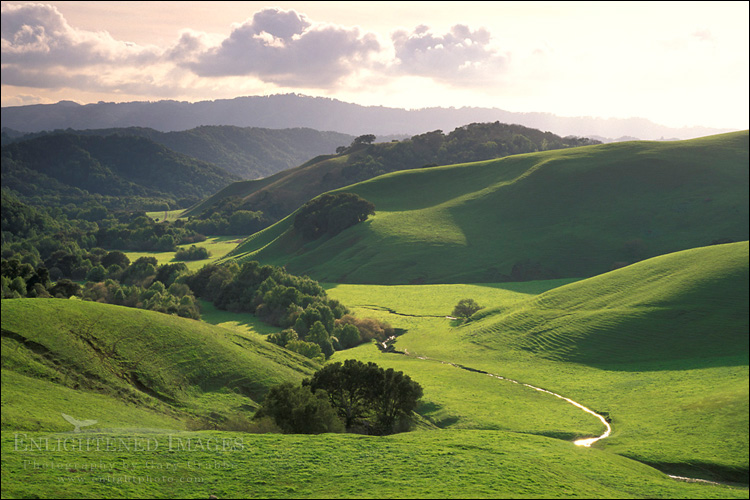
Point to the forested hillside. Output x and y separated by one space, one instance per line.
247 152
64 168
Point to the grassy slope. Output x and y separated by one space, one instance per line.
576 212
459 464
169 365
681 405
278 194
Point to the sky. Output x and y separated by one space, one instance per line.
675 63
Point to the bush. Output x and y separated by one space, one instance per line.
369 328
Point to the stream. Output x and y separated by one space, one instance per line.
587 442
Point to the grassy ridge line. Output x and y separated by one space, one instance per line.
465 464
149 358
571 212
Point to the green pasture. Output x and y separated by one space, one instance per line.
570 213
166 215
681 407
612 342
218 246
425 464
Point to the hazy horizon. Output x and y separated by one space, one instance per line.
675 67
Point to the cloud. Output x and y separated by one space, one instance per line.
458 57
285 48
37 35
274 48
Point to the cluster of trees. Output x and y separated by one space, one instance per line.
143 284
176 299
321 339
313 324
329 214
473 142
353 396
192 253
71 238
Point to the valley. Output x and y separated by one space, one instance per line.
612 283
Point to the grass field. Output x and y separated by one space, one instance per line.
218 246
683 406
166 215
683 413
568 213
429 464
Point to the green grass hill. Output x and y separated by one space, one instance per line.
98 360
688 306
574 212
661 347
280 194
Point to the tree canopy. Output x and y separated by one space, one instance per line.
330 214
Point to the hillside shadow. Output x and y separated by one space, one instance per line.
674 364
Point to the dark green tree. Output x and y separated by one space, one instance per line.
296 410
465 308
367 396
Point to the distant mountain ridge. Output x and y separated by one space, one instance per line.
293 110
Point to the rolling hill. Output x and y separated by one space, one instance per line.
106 359
681 307
660 347
573 212
278 195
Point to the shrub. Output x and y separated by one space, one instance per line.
369 328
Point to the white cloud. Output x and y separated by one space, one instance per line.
285 48
37 35
459 57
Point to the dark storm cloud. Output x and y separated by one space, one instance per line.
283 47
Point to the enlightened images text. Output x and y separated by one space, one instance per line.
24 443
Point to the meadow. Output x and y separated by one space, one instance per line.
477 436
648 327
218 247
682 406
423 464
